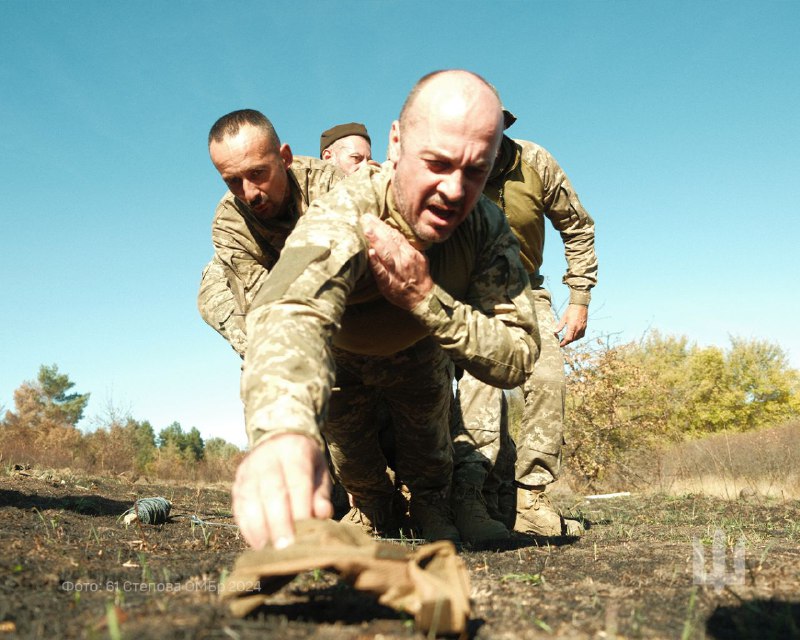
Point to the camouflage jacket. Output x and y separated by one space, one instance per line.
246 248
529 185
321 294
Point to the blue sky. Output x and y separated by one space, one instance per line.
676 121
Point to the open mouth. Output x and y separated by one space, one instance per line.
444 214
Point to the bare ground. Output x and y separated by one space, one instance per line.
69 568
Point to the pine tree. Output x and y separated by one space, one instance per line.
46 403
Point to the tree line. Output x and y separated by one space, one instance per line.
650 393
621 398
42 429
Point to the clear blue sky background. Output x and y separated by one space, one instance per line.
678 123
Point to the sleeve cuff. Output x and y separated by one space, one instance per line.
261 436
580 297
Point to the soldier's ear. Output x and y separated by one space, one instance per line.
326 154
393 152
286 155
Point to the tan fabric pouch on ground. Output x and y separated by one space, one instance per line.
431 583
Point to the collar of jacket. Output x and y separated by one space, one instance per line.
508 157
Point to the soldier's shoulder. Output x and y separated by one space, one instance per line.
227 207
536 155
365 184
305 167
530 149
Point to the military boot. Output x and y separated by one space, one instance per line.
500 496
472 519
537 515
375 518
431 516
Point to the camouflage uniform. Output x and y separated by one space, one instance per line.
529 185
246 248
320 311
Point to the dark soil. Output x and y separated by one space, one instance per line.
69 568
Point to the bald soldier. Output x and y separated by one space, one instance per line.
348 146
268 190
394 273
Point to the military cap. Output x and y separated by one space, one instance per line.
341 131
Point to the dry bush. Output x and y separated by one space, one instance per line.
49 445
221 469
173 464
112 450
611 409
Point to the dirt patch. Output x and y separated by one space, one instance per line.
69 568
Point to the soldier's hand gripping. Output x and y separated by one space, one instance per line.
400 270
282 480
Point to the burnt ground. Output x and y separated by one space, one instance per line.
69 568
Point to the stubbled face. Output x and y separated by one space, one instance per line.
442 162
254 169
349 153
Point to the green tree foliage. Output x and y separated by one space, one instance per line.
68 407
635 395
46 402
221 449
747 386
190 444
144 439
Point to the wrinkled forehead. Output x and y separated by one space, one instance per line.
238 153
355 143
454 137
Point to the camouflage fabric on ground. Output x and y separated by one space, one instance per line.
431 582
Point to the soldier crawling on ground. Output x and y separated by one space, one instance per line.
399 273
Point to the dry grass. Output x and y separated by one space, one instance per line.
107 454
764 463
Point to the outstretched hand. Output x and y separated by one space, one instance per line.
280 481
401 271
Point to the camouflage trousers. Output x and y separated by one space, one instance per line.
480 424
414 387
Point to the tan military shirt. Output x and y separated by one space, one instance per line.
321 293
529 185
246 248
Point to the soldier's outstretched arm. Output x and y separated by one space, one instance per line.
282 480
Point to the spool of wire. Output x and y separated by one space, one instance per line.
149 511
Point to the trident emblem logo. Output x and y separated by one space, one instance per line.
718 577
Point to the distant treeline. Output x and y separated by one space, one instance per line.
42 430
621 398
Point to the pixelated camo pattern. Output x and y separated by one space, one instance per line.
296 314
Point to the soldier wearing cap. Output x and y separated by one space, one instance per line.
348 146
530 187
